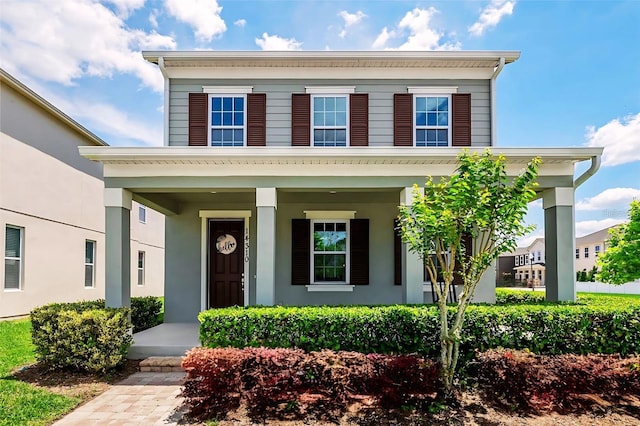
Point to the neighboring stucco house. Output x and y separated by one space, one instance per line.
529 263
52 216
589 247
282 172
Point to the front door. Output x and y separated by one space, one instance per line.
226 263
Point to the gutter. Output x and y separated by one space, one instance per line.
596 160
166 100
493 101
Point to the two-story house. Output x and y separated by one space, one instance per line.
52 217
282 172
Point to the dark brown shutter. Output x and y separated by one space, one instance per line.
256 119
359 119
461 122
359 251
403 119
300 119
300 251
467 241
198 105
397 254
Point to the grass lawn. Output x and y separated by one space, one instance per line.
22 403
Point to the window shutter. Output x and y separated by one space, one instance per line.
300 119
461 123
403 119
256 119
397 254
359 251
467 241
300 251
359 119
198 105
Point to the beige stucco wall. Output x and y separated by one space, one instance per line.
590 262
59 208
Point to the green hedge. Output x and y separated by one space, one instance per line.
546 328
81 336
86 335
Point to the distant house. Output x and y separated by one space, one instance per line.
589 247
282 173
52 220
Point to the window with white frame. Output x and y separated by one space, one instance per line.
142 214
517 260
586 252
89 263
597 250
329 122
227 120
330 254
539 255
13 253
432 120
577 253
141 265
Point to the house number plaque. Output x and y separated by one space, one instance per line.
226 244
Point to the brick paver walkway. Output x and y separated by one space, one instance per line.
140 399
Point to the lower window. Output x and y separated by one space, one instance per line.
329 254
14 237
89 263
141 268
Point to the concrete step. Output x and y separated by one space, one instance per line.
162 364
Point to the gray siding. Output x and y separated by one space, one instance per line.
380 106
27 122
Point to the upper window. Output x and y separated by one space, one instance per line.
586 252
329 251
227 120
89 263
13 246
142 214
597 250
539 256
577 253
432 120
329 120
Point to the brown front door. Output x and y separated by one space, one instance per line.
226 263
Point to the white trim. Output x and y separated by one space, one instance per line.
266 197
558 196
117 197
432 90
449 127
222 214
227 90
330 287
330 90
347 253
330 214
347 125
222 126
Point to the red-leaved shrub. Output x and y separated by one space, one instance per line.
543 383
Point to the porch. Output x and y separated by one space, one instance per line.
167 339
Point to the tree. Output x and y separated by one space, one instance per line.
620 263
480 201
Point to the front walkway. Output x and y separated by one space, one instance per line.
140 399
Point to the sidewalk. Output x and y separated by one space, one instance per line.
140 399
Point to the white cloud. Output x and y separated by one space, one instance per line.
610 199
153 18
76 38
529 238
620 139
125 7
274 42
350 19
587 227
421 36
491 16
240 23
202 15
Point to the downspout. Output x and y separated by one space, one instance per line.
496 72
595 165
166 100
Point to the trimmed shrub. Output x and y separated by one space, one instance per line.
543 383
291 382
516 297
82 336
546 328
144 312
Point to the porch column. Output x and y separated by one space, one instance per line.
266 204
486 289
412 266
559 244
117 291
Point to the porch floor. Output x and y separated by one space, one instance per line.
167 339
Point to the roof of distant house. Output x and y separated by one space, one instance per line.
14 83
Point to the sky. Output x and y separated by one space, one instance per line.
577 82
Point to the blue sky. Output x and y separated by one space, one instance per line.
576 84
